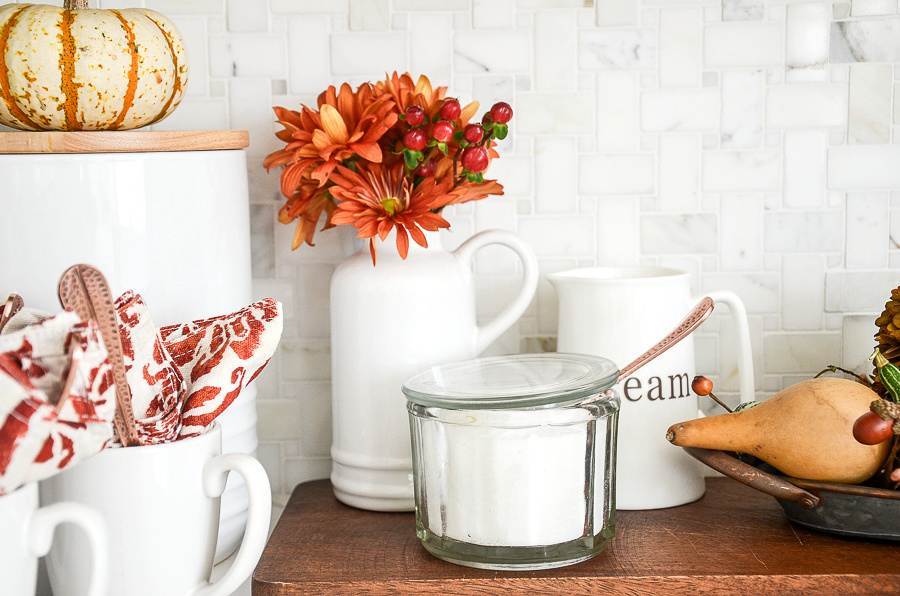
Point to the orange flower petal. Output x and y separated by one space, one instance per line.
321 139
333 124
368 151
468 111
328 96
418 236
299 236
346 103
291 177
423 86
384 228
368 229
402 241
322 172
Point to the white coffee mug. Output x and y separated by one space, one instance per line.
161 503
618 313
26 533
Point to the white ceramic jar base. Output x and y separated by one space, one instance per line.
373 489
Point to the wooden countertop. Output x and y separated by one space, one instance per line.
126 141
733 540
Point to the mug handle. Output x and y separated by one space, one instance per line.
259 512
44 522
745 351
485 334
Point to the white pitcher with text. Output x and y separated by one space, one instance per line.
618 313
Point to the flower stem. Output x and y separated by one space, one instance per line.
831 368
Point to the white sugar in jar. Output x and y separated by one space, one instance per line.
514 458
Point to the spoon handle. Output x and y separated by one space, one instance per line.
83 289
697 315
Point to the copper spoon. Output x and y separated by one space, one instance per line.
83 289
697 315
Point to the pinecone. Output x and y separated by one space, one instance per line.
888 336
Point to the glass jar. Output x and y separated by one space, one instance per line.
514 459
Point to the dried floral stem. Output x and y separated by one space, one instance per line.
831 368
720 402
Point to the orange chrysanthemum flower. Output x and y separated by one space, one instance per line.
384 199
347 124
406 92
370 158
306 205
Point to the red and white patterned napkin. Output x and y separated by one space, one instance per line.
57 398
183 376
57 395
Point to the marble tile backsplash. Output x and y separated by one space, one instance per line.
753 143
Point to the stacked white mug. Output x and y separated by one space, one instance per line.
26 533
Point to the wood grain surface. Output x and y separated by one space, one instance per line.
734 540
128 141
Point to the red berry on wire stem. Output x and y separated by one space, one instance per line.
415 139
442 131
701 385
475 159
473 133
415 115
501 112
451 109
425 169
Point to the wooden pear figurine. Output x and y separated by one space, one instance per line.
805 431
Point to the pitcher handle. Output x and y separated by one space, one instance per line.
745 350
40 537
485 334
259 512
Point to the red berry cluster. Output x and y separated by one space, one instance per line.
472 141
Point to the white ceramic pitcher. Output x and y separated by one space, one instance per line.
389 322
618 313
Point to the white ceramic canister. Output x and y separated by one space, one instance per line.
387 323
26 533
172 224
619 313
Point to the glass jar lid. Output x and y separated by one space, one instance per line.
524 381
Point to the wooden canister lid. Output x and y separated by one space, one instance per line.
126 141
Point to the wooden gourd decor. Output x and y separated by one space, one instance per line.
75 68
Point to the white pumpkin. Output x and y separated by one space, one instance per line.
75 68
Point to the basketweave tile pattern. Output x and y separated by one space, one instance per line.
754 143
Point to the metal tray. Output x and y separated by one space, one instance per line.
844 509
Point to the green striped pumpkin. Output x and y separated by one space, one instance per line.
75 68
